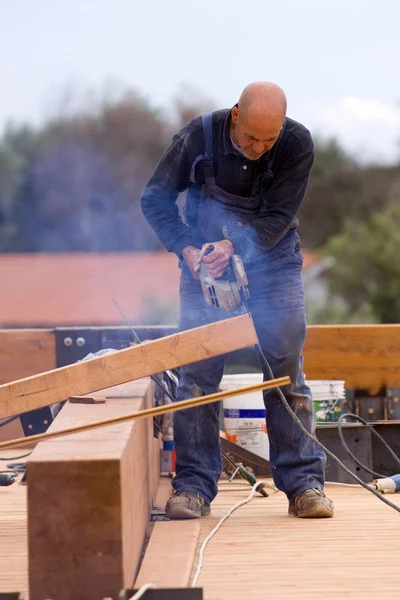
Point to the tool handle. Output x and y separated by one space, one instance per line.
209 249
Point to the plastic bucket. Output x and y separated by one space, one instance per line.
244 415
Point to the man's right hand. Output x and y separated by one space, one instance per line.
192 255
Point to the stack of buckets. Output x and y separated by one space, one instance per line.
244 415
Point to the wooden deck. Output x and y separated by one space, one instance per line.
13 532
259 551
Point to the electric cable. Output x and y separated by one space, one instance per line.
16 457
350 453
296 419
218 525
8 420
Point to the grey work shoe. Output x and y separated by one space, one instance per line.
186 505
311 504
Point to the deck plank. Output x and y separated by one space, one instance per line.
13 533
260 550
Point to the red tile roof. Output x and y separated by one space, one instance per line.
78 289
46 290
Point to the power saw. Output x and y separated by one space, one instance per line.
229 292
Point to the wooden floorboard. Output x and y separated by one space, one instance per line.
13 533
261 552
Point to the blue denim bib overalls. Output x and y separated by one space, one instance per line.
277 308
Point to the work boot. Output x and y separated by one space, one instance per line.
186 505
311 504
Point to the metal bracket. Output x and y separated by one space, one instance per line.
36 421
73 344
158 514
393 403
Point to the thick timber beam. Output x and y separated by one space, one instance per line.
89 499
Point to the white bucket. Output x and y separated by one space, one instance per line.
244 415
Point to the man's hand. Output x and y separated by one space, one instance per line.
191 254
217 261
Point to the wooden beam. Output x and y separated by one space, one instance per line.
89 499
25 352
126 365
366 357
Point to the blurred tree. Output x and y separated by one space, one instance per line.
366 269
75 184
17 148
340 188
83 186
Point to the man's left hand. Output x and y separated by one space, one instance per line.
217 261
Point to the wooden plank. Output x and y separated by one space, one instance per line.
366 357
13 534
26 352
126 365
95 488
170 569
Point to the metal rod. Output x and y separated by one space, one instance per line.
148 412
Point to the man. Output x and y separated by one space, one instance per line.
245 171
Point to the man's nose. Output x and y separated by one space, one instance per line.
258 147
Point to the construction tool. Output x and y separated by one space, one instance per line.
229 292
240 470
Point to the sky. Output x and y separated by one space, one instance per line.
337 60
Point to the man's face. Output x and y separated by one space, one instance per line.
255 136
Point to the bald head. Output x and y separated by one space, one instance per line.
263 99
257 120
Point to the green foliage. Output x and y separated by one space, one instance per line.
366 270
340 188
332 313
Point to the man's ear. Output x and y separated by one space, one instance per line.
235 114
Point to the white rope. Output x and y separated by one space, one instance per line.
218 525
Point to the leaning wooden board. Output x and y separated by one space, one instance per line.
126 365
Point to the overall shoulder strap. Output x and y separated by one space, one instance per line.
208 155
208 135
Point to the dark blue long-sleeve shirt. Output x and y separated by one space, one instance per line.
236 174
